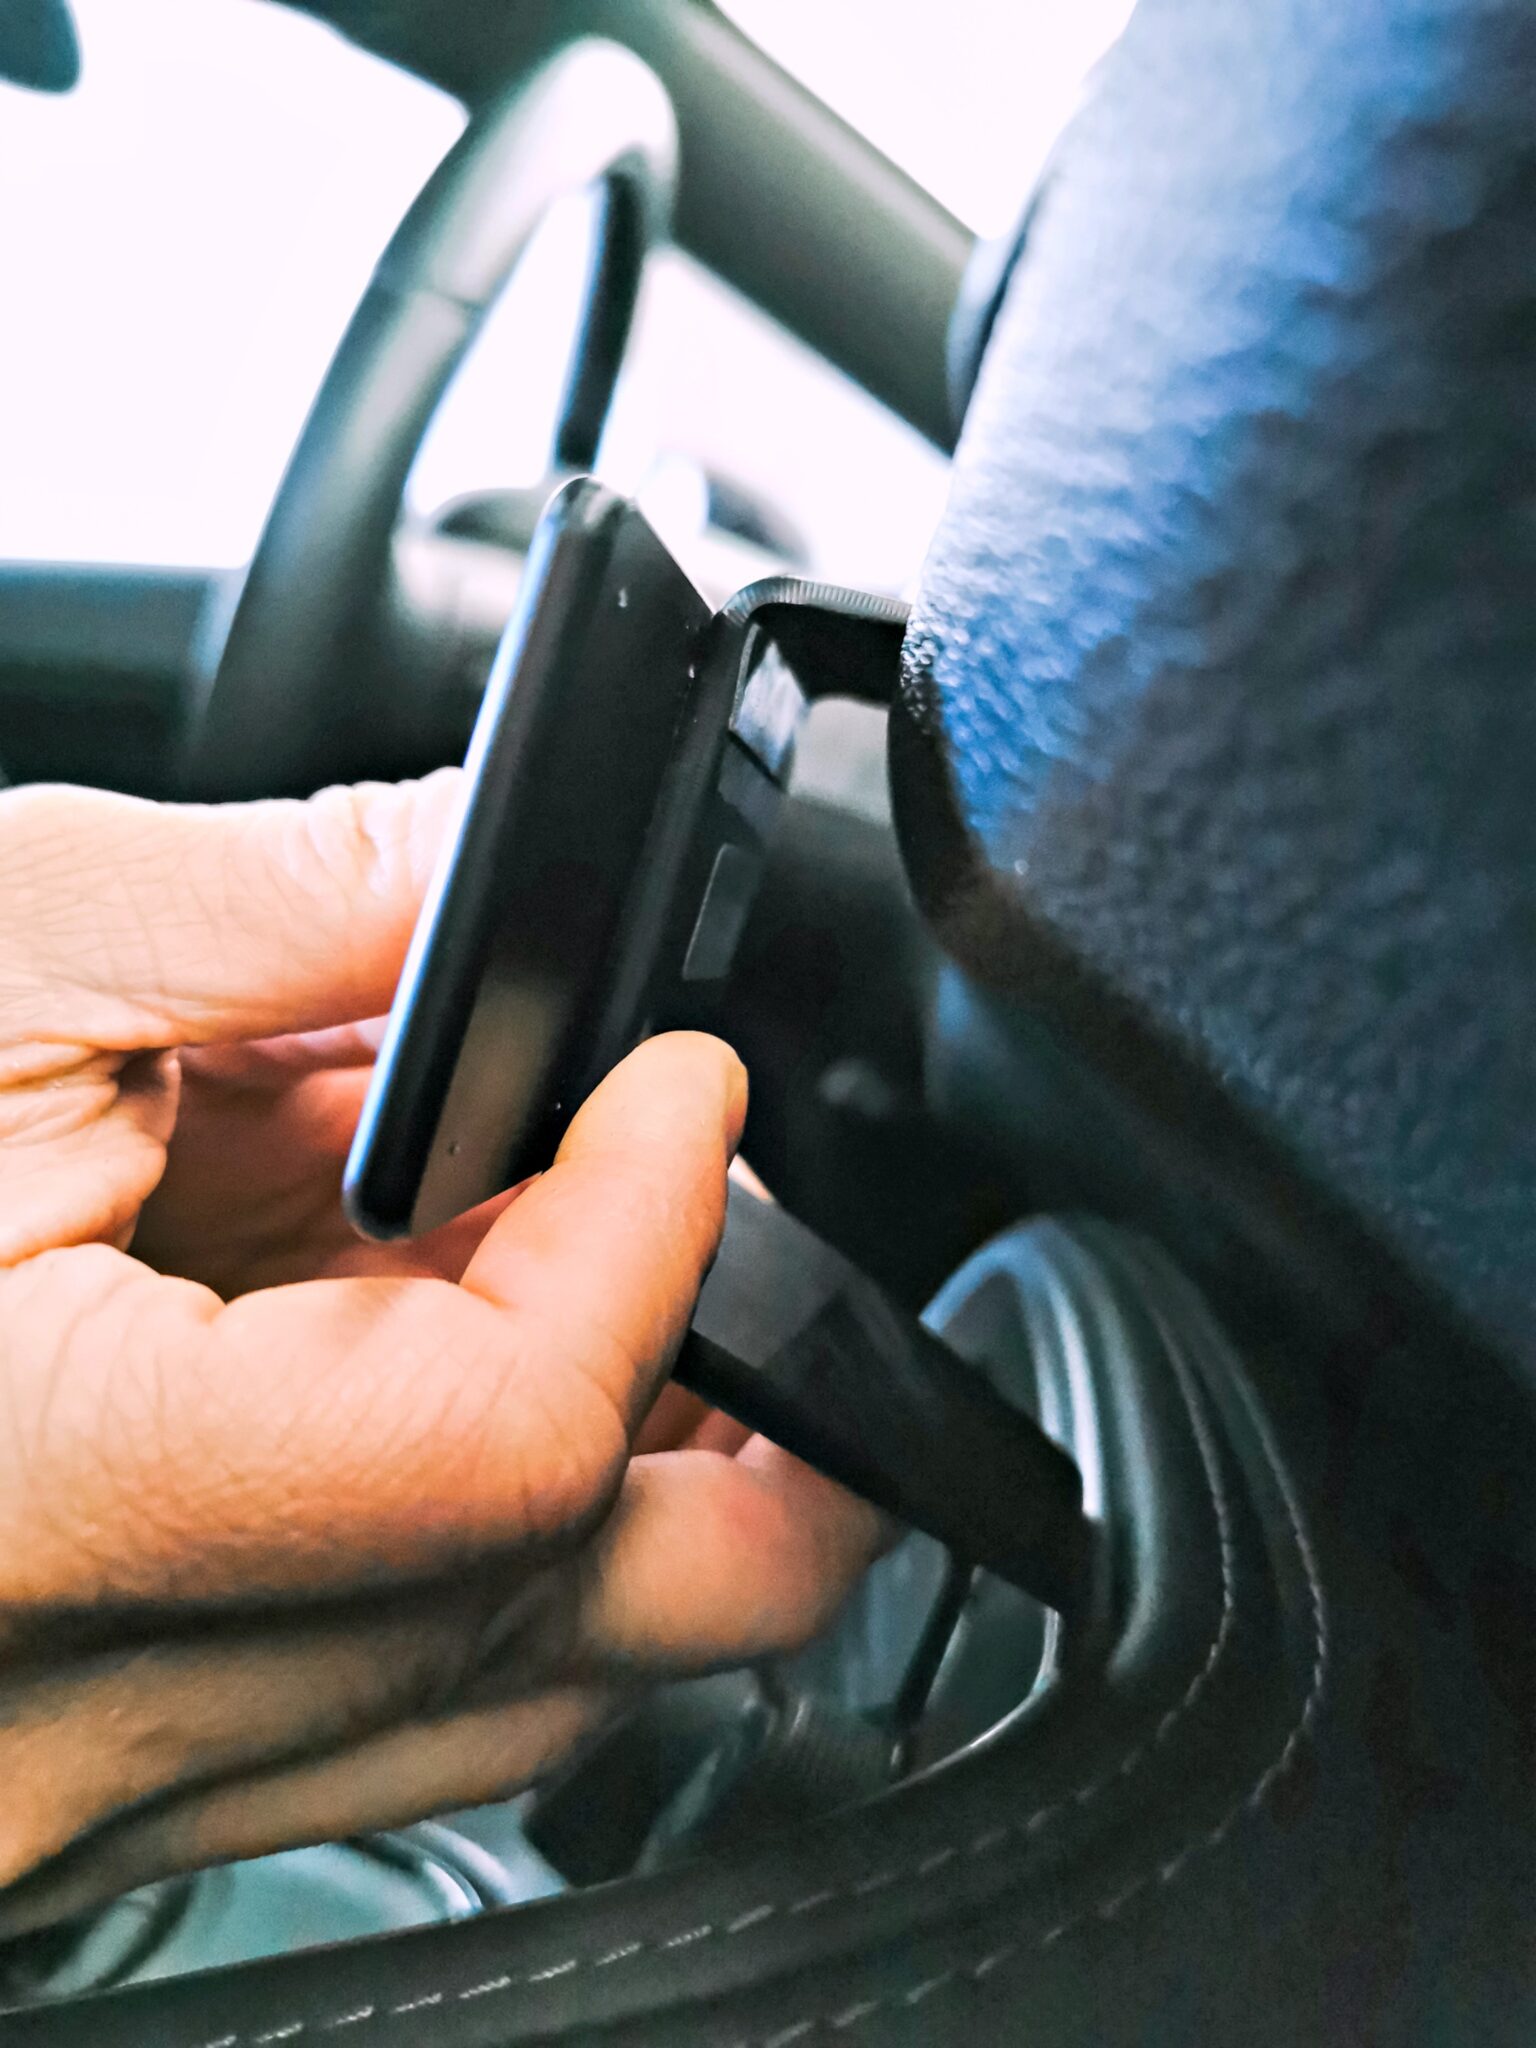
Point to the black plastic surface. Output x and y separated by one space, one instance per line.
95 664
627 769
791 1340
531 966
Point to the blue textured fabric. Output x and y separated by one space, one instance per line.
1222 681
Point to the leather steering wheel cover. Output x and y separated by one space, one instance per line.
296 699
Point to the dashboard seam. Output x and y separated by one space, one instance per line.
1164 1873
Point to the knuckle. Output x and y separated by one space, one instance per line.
554 1436
352 831
542 1440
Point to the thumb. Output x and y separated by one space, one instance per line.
127 924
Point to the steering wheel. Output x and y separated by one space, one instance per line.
302 693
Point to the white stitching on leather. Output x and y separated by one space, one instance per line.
920 1991
993 1837
484 1990
618 1955
555 1970
788 2034
693 1934
812 1900
989 1963
1163 1873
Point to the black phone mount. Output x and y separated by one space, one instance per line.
794 1341
788 1336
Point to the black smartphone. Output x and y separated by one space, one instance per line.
607 853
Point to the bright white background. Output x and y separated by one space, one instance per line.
183 238
967 95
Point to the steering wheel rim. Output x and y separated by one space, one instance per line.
295 701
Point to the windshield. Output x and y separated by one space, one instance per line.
966 95
185 235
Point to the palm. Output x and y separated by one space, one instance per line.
251 1195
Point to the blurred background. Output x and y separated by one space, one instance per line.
184 236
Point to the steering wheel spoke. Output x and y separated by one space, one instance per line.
305 691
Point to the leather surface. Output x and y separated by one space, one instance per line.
1220 713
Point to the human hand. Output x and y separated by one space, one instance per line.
300 1536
